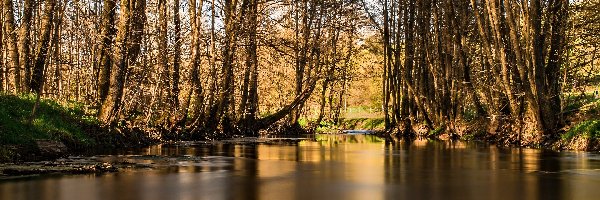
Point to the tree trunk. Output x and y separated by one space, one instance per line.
37 77
103 60
2 65
249 101
302 50
555 60
194 65
112 104
11 43
163 58
25 42
174 98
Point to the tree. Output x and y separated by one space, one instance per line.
130 30
11 43
37 77
25 42
103 59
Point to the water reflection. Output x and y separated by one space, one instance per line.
330 167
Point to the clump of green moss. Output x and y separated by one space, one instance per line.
587 129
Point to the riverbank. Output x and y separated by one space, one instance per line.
581 130
56 129
60 129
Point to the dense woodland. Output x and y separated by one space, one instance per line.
505 64
201 68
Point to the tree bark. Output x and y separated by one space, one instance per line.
249 101
2 64
11 43
175 90
103 59
25 42
176 56
37 77
163 58
125 51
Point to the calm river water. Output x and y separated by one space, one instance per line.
328 167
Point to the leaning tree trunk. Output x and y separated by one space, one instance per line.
37 77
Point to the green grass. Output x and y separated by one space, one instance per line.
576 100
342 139
586 129
53 121
351 124
437 131
360 112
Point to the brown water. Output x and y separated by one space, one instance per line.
329 167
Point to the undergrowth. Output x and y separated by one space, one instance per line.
587 129
52 121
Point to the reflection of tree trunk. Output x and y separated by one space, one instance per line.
11 43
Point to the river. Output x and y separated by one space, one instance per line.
327 167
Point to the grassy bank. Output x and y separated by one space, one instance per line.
68 123
62 122
345 124
583 128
